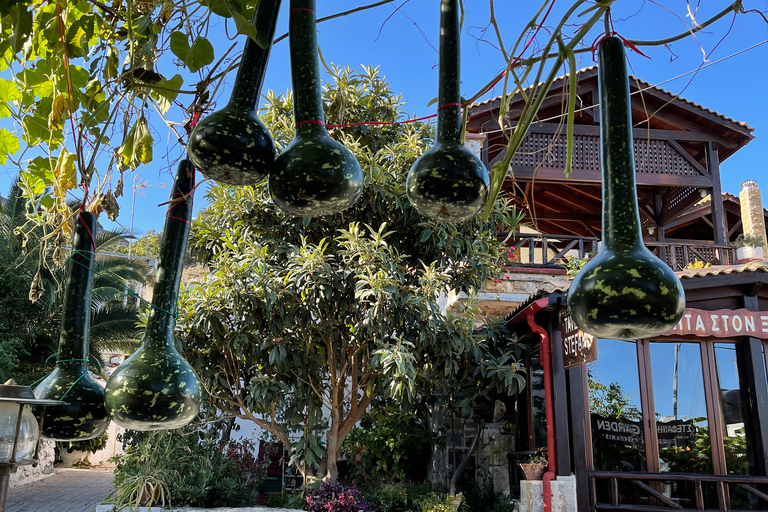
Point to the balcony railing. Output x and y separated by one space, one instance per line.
535 250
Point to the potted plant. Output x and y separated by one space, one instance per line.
748 247
534 466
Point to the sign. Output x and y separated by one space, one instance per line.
675 432
722 323
578 346
617 431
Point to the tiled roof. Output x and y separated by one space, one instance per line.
550 287
591 70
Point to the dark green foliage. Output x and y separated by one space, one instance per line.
89 446
191 464
480 496
232 145
334 497
448 183
156 388
624 292
390 446
401 498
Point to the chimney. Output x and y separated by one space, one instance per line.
475 142
752 216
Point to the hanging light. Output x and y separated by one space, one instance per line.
19 431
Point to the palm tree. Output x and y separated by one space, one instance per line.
26 261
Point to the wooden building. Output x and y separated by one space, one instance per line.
678 421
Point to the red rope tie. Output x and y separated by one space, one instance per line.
167 216
456 104
303 9
310 121
605 36
87 229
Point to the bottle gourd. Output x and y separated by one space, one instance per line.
315 175
156 388
624 292
232 145
82 415
448 183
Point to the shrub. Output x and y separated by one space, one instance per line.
402 498
334 497
745 240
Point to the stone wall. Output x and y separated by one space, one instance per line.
26 474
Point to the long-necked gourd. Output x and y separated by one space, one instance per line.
82 414
624 292
315 175
232 145
448 183
155 388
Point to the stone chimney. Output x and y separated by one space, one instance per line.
475 142
752 216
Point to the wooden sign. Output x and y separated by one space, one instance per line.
578 346
722 323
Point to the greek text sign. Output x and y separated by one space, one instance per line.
722 323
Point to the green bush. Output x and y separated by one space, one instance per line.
481 497
402 498
190 465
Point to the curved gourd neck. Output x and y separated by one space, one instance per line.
76 321
253 63
621 218
449 70
170 264
305 70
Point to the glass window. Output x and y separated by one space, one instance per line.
538 407
682 428
734 400
614 404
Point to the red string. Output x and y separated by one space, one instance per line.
605 36
309 121
87 229
303 9
178 218
456 104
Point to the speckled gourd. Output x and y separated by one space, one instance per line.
156 388
82 416
232 145
448 183
624 292
315 175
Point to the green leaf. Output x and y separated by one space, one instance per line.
220 7
8 93
194 57
247 28
22 29
170 91
9 144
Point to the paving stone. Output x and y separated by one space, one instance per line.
67 490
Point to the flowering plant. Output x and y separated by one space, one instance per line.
334 497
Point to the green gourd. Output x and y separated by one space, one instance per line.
624 292
315 175
82 416
448 183
156 388
232 145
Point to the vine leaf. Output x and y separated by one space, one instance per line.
168 93
9 144
22 29
8 93
245 27
64 174
194 57
137 146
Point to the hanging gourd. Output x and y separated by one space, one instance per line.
82 414
232 145
315 175
624 292
448 183
156 388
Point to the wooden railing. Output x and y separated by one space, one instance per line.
641 481
553 251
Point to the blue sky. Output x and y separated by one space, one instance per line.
404 44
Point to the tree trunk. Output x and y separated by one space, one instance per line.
457 472
227 434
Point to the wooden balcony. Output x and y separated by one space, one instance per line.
553 251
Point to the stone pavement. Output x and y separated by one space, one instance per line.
68 490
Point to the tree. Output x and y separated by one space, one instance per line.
302 323
148 246
32 273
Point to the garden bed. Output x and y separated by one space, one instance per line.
111 508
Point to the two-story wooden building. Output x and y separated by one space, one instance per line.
677 421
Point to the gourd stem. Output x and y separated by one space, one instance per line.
172 252
449 95
76 321
305 69
253 63
621 218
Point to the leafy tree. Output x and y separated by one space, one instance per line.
301 316
148 246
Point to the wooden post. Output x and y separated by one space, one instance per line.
718 212
757 385
562 434
579 418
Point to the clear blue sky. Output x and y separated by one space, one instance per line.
405 48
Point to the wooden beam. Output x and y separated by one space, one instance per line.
550 174
560 396
579 425
718 215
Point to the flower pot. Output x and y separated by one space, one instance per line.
534 471
748 253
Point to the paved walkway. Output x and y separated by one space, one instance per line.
68 490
